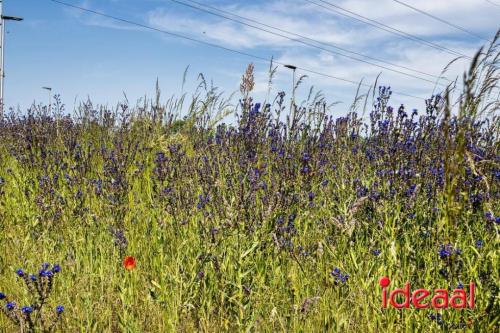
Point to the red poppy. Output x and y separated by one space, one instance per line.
129 263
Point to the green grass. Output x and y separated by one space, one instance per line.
240 277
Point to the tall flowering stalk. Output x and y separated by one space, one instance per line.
34 318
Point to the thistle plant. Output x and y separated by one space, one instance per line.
34 318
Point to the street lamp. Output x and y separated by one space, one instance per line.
293 68
3 19
49 89
12 18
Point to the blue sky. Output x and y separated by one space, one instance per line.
82 55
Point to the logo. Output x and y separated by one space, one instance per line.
423 298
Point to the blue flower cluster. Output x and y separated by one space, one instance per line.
39 287
438 318
338 276
447 251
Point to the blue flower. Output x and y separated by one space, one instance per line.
45 266
44 273
376 252
460 285
27 309
479 243
2 295
10 306
20 272
56 269
447 250
33 277
59 309
338 276
437 317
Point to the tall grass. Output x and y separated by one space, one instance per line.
283 221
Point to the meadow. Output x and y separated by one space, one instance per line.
281 221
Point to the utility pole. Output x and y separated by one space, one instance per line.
3 19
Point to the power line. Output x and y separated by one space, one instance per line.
304 43
355 16
173 34
302 36
442 20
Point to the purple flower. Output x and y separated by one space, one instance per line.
56 269
339 276
27 310
59 309
445 251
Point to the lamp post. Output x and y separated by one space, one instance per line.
291 125
293 68
3 19
49 89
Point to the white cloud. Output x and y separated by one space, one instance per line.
302 17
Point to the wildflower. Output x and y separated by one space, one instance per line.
27 309
460 285
436 317
376 252
447 250
444 273
45 266
338 276
20 272
10 306
2 296
129 263
305 157
44 273
59 309
203 201
479 243
56 269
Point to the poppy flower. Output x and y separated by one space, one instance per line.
129 263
